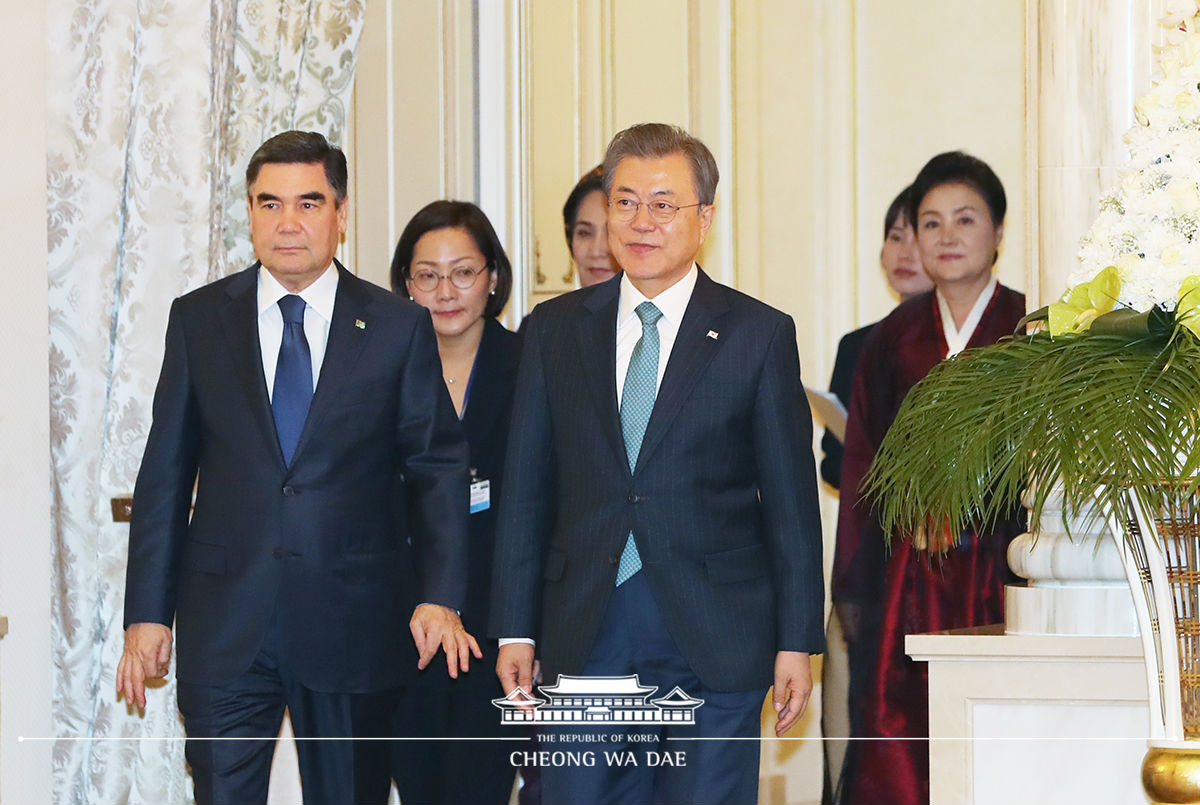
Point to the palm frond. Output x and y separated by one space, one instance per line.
1095 412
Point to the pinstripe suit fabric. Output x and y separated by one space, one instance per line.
722 499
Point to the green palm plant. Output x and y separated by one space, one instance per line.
1109 411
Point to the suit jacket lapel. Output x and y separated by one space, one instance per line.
239 320
692 352
597 334
479 420
345 344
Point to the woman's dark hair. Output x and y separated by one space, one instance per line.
957 167
898 210
456 215
588 183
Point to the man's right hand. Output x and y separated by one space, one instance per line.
147 655
514 666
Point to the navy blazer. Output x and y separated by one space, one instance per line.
849 348
722 501
485 422
327 544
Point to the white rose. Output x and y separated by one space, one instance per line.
1185 105
1139 111
1170 61
1178 11
1183 195
1190 49
1129 266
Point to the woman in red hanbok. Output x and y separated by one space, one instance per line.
958 206
845 672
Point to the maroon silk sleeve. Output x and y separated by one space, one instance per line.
859 553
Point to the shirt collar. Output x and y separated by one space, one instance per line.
957 338
671 303
319 295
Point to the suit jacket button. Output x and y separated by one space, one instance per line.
615 559
633 497
279 553
289 491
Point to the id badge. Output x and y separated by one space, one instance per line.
481 495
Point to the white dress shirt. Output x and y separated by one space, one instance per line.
957 337
318 299
671 303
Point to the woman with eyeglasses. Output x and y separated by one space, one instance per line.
450 261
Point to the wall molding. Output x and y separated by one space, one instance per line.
411 130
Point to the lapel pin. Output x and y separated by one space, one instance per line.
360 324
714 335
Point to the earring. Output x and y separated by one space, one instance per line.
411 299
492 292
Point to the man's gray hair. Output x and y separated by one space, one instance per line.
657 140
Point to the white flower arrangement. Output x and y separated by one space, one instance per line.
1148 226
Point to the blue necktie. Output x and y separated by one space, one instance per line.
293 377
637 401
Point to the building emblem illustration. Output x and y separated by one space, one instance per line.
590 699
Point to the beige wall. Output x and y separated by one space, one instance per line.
597 66
818 113
949 75
25 666
838 106
411 136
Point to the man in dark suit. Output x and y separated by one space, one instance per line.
659 515
307 410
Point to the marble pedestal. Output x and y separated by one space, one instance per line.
1075 582
1049 707
1034 718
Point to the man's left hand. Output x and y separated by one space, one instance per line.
793 685
434 626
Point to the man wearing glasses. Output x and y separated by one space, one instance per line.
659 516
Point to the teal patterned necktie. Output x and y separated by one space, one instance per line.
637 401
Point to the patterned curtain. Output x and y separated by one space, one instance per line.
293 67
154 108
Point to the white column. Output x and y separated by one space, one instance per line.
1086 64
